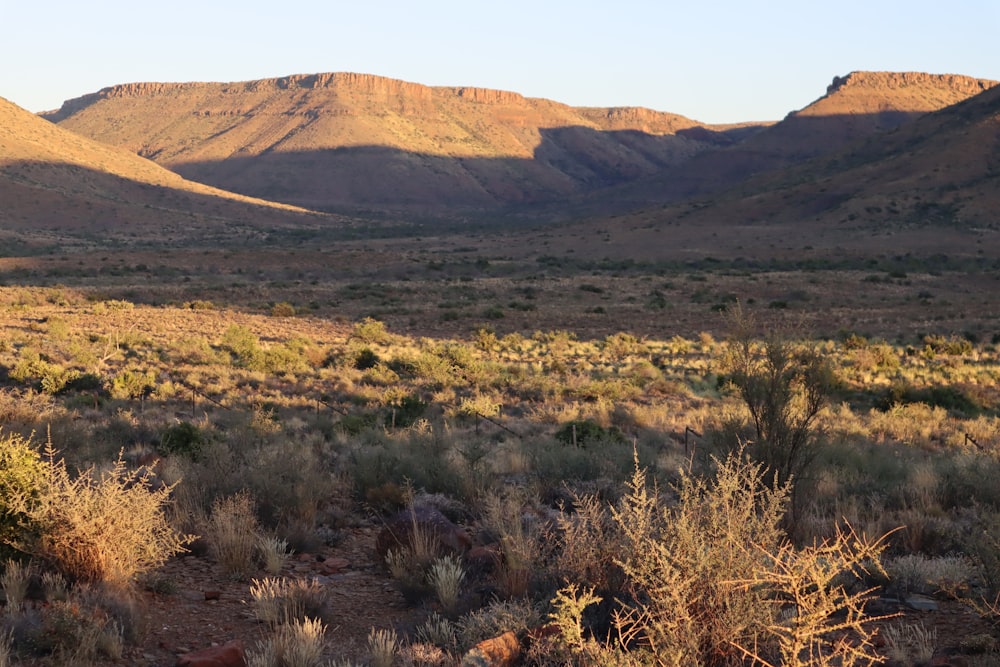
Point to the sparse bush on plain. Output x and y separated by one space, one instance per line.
584 432
232 532
273 553
184 439
708 576
783 387
282 309
370 331
438 631
300 643
244 347
383 645
517 615
278 600
132 383
107 528
279 419
14 581
22 476
445 577
909 643
523 542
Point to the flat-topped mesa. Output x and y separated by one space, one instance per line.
379 87
967 85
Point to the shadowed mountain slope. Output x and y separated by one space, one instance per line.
55 181
353 141
855 107
936 178
335 141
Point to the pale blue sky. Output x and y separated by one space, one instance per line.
712 60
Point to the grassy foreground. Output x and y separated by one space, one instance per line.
605 473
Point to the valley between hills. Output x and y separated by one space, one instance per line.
301 305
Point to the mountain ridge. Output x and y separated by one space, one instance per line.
358 142
345 141
462 146
937 176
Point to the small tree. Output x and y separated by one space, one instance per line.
784 387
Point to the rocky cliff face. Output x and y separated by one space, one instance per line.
913 93
966 86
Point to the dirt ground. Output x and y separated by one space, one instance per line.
361 597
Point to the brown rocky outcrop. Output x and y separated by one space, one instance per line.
399 530
343 141
487 96
962 85
637 118
502 651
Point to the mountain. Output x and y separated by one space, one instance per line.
855 107
347 141
932 185
53 181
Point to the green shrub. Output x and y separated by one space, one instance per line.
84 382
426 460
405 412
283 309
584 432
184 439
286 358
953 399
22 477
35 369
365 358
132 383
370 331
953 345
357 424
244 347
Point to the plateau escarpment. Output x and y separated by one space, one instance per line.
349 142
343 140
